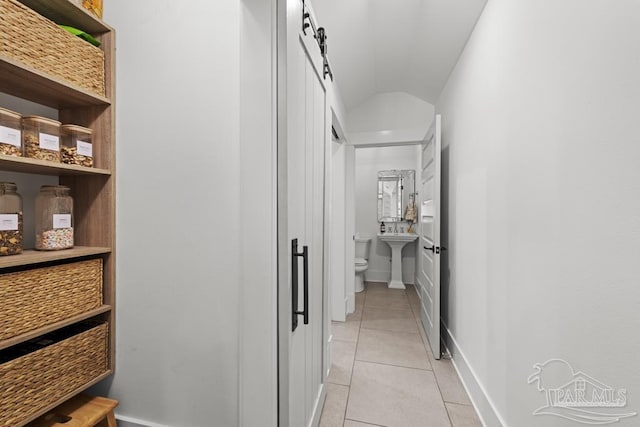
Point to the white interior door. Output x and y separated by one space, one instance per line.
316 143
301 368
298 237
338 232
430 249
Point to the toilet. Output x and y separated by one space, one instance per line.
362 255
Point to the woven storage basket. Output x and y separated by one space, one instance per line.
38 297
29 38
32 382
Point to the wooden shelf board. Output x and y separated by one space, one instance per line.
26 82
43 167
52 327
30 256
66 13
67 397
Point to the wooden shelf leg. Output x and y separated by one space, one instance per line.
111 419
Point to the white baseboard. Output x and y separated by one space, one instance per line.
317 411
481 401
381 276
329 344
124 421
377 276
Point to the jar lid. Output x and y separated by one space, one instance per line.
57 190
76 128
8 187
40 119
54 187
10 113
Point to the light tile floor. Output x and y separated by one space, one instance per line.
383 372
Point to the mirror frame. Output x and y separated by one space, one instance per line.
405 181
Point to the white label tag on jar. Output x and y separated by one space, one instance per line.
10 136
8 222
49 142
84 148
61 221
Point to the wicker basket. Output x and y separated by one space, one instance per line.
38 297
32 382
29 38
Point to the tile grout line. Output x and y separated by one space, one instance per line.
347 341
393 310
396 366
376 425
416 315
405 332
387 330
435 377
410 308
353 365
425 343
344 420
466 405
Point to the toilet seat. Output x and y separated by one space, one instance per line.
361 262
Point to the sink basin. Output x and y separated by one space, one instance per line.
398 237
396 242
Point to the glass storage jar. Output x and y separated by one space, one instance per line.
77 147
54 218
11 226
10 133
41 138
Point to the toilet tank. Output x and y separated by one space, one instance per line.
362 247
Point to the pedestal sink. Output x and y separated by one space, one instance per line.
397 241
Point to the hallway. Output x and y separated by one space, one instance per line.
383 372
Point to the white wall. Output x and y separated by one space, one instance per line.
391 110
258 214
542 202
339 112
178 211
389 118
350 225
368 162
338 267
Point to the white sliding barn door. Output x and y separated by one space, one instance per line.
316 140
430 249
302 330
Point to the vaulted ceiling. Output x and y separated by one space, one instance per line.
378 46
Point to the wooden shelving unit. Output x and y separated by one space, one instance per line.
54 326
26 82
43 167
93 189
30 256
66 13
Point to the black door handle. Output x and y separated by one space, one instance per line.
294 284
432 248
305 284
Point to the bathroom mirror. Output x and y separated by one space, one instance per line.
396 189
